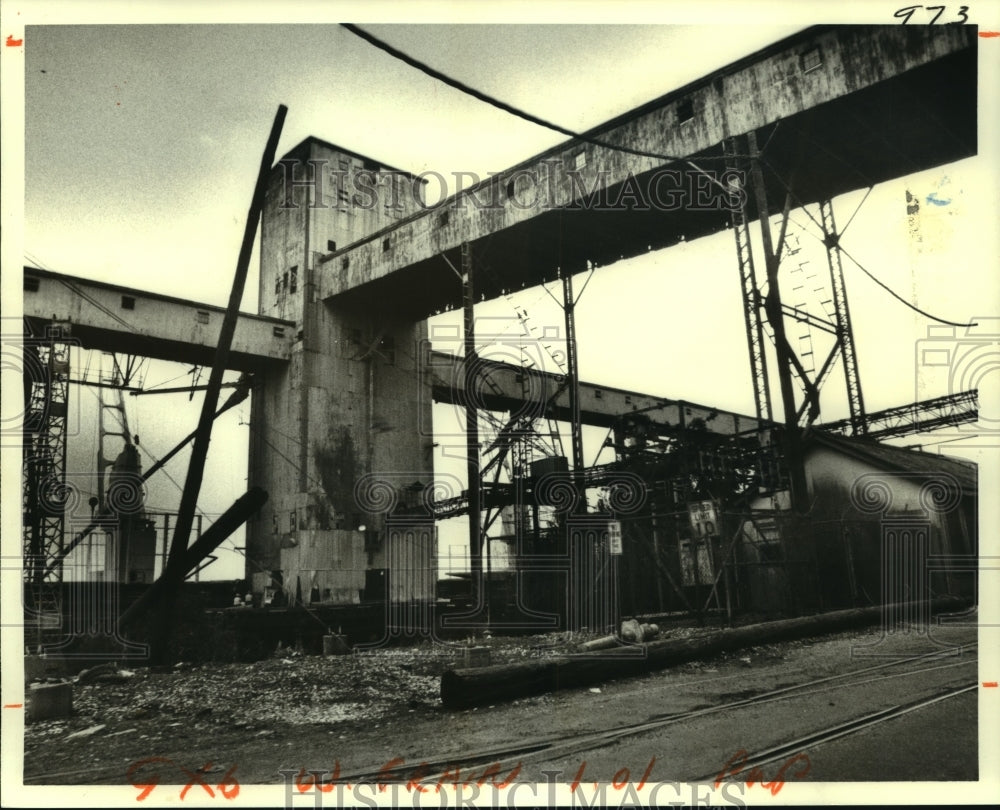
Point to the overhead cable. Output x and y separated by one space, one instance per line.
860 266
517 111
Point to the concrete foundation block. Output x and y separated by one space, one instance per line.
476 657
335 645
39 667
48 700
34 668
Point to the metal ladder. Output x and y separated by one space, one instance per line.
748 283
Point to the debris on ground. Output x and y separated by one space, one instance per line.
123 713
87 732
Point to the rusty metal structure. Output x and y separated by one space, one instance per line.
353 263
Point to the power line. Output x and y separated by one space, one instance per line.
517 111
899 298
860 266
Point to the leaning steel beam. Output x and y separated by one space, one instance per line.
109 317
229 521
866 100
173 569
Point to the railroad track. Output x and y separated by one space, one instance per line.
793 747
509 756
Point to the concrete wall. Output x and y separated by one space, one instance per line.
332 562
350 402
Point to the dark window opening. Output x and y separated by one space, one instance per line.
128 302
385 245
811 60
443 219
370 165
685 110
277 285
344 263
284 281
30 284
510 189
294 279
388 349
278 331
598 393
331 245
201 316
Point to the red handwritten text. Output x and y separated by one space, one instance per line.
228 787
417 779
735 764
621 778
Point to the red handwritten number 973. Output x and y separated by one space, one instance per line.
907 13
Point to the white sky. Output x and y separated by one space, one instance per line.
142 143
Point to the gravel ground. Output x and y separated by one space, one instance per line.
248 712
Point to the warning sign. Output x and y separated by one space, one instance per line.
704 519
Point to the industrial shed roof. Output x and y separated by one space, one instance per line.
899 459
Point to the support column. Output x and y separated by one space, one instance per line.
775 316
845 334
472 427
751 292
572 372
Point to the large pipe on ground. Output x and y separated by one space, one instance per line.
461 688
230 520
